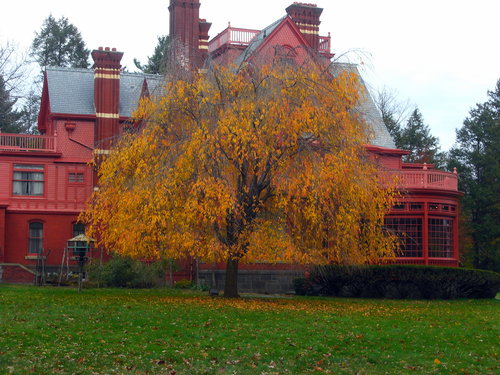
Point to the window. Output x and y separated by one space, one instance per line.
409 232
28 180
78 228
433 207
76 178
416 206
441 238
35 238
399 206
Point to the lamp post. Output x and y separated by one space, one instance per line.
81 246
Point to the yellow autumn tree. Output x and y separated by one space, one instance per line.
251 164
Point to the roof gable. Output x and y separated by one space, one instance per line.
283 33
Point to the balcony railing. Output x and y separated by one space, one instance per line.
232 36
325 44
27 142
427 179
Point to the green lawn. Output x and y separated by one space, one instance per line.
110 331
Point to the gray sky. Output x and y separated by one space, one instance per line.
442 55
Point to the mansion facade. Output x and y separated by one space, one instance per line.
46 179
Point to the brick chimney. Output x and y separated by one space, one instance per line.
106 95
187 29
306 17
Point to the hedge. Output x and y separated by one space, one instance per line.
398 281
125 272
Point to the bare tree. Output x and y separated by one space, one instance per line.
395 113
13 68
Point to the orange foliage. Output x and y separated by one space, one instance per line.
259 164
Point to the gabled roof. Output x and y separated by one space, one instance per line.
379 134
257 41
71 91
267 34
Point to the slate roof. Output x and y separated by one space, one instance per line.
380 135
71 91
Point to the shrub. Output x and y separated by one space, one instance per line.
409 282
183 284
124 272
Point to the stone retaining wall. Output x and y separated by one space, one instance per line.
256 281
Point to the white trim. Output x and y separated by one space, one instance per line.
107 115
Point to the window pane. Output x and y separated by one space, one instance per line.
17 188
35 237
37 188
35 246
36 176
409 232
75 177
441 238
28 166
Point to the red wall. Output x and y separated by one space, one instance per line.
75 144
57 229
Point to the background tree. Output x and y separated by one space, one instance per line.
394 112
29 112
416 138
9 117
477 158
252 164
157 63
13 69
59 43
408 129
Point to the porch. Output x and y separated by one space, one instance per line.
27 143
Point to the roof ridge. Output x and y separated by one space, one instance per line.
146 75
69 69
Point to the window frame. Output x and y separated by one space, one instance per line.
30 183
39 239
441 235
76 181
407 229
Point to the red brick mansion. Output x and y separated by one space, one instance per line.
45 179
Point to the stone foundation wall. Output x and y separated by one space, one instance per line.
11 273
254 281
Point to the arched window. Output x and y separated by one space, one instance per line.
35 237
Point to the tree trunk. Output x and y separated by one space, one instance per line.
231 287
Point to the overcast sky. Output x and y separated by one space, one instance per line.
442 55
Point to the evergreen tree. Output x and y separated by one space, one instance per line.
157 63
29 112
392 126
477 158
59 43
416 138
9 117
